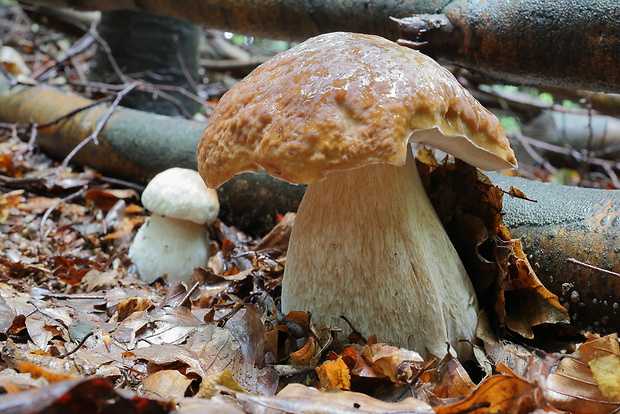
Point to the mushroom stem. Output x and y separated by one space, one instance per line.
368 244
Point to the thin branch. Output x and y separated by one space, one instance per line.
55 206
188 76
589 266
100 125
75 111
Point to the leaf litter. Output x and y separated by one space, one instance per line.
79 330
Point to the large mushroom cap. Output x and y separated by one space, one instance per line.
340 101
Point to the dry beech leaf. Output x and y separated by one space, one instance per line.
528 302
39 366
92 394
390 360
106 199
360 367
225 378
606 372
130 306
308 355
297 398
334 375
515 356
451 379
41 371
500 393
572 387
464 198
167 384
215 405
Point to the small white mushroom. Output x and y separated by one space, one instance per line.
175 239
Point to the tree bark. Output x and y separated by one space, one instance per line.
160 50
561 43
570 223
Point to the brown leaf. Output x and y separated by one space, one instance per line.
451 379
131 305
277 239
395 363
308 355
209 383
106 199
572 387
528 302
297 398
81 395
165 385
606 372
499 393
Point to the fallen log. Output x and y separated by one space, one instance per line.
562 43
567 230
136 145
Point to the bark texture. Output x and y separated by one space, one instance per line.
160 50
561 43
570 222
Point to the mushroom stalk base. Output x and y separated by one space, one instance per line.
367 244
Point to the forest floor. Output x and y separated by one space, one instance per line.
79 330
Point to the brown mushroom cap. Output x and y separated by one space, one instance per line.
341 101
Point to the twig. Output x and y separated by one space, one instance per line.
589 266
567 151
20 182
527 146
52 208
100 125
79 345
122 183
188 76
75 111
78 47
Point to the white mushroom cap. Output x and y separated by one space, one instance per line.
174 240
182 194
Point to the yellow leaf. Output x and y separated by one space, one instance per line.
334 375
606 372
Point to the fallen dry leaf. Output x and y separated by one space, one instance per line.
297 398
399 364
209 384
80 395
451 379
606 372
168 384
500 393
572 387
334 375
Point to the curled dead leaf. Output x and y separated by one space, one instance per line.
399 364
334 375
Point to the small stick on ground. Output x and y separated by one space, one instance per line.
589 266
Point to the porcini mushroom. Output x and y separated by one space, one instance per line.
174 240
337 112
